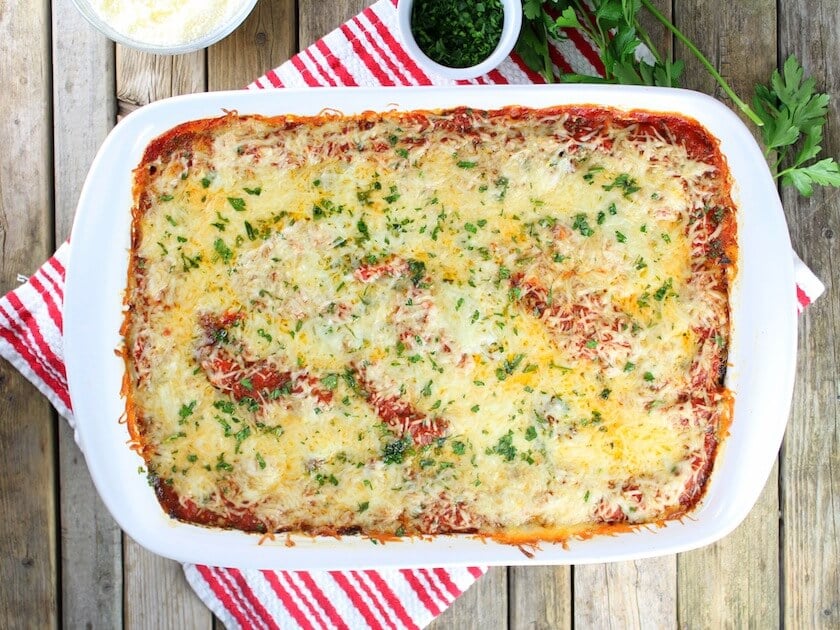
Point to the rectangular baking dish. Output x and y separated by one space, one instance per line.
762 354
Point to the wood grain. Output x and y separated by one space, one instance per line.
625 595
83 90
735 582
157 596
317 18
483 607
143 78
810 469
540 598
28 588
91 546
265 40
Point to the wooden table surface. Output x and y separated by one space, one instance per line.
63 560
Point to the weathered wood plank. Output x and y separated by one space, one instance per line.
83 90
623 595
28 588
810 466
734 583
91 546
143 78
540 598
265 40
483 607
316 18
156 594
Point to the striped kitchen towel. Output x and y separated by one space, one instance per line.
364 51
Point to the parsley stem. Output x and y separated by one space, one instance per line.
706 63
643 35
591 30
548 73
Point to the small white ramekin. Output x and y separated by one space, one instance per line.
510 33
217 32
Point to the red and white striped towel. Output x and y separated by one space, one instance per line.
364 51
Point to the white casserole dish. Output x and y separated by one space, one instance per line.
761 361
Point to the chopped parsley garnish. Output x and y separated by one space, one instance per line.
466 164
504 447
627 184
393 196
253 191
241 436
581 224
455 33
417 271
363 229
363 506
662 291
225 406
190 263
223 250
395 452
589 175
458 447
648 376
237 203
186 410
330 381
260 460
221 464
531 433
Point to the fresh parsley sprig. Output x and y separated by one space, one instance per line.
789 112
794 116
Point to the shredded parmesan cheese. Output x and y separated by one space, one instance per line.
165 22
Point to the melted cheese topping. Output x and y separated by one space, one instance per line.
425 322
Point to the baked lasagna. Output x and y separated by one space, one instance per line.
511 323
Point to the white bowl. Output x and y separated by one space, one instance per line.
762 357
215 30
510 33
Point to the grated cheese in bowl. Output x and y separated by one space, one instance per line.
165 26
